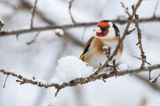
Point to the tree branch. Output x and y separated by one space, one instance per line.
139 44
69 26
83 80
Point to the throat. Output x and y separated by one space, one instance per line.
100 34
111 41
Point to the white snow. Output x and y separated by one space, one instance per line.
71 67
59 32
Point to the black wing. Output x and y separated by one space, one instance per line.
86 47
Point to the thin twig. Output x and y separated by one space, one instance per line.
26 5
70 13
155 79
33 13
143 56
4 85
155 9
33 40
140 59
126 9
130 31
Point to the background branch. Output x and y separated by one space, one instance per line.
69 26
70 13
33 13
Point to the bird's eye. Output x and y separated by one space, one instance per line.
104 28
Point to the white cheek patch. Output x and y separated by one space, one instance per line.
111 24
111 33
98 29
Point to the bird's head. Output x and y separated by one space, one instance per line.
106 29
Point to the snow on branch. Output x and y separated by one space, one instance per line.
80 80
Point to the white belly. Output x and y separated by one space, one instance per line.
97 60
101 59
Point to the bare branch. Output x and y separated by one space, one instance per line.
69 26
126 9
139 44
47 20
23 80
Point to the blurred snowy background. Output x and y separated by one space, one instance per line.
40 58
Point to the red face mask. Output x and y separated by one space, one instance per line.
104 29
104 33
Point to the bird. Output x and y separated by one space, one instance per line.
100 46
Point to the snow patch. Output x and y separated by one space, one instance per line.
71 67
59 32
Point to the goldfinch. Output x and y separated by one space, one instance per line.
100 46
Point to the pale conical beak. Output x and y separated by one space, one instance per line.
98 29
